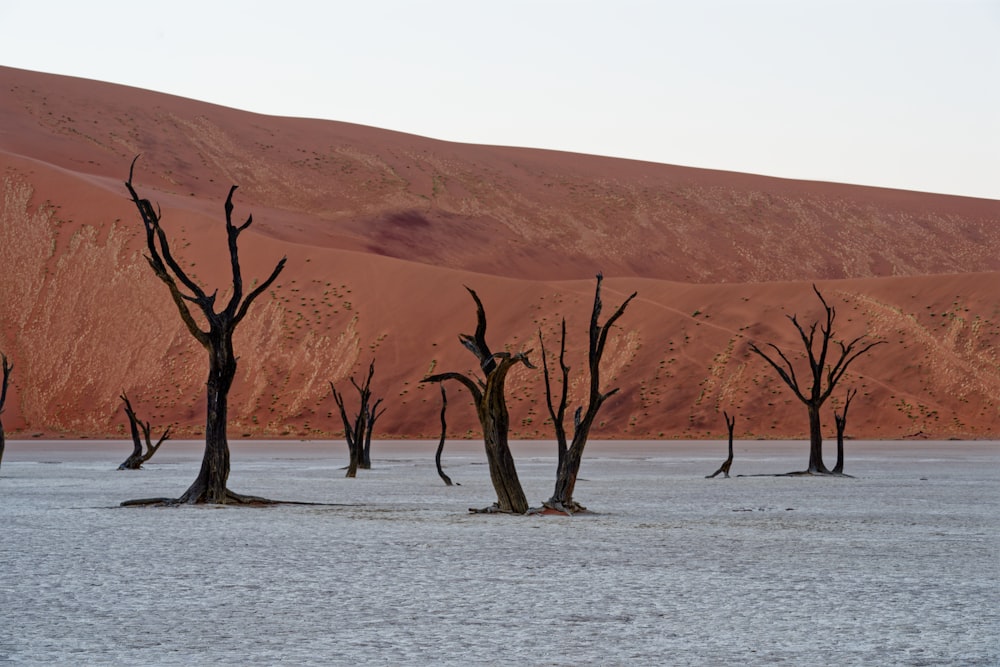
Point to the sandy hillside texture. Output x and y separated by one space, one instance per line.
382 230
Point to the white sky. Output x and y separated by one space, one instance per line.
895 93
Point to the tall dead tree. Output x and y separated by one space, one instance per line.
7 368
841 421
570 455
216 338
444 432
358 432
823 375
138 456
491 408
724 468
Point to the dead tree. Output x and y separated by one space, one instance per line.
217 339
724 468
491 408
823 375
7 368
444 431
841 420
570 455
358 432
138 457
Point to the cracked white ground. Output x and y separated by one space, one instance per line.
898 566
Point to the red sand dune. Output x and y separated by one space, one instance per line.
383 229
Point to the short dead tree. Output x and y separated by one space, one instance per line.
823 374
7 368
216 338
444 432
138 456
841 421
358 432
570 454
724 468
491 408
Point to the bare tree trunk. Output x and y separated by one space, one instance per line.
491 408
444 432
210 485
824 375
137 457
570 457
816 465
359 432
6 368
496 425
724 468
841 420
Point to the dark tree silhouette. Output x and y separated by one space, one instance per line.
217 339
823 375
444 431
138 457
841 420
6 367
358 432
570 455
724 468
491 408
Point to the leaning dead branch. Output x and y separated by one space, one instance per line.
724 468
444 431
138 456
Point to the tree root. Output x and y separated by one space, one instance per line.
492 509
556 507
802 473
231 498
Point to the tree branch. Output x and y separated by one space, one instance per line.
476 392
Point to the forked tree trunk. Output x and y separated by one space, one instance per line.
841 420
824 375
358 433
491 408
138 457
210 485
570 456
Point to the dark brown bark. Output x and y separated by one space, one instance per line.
7 368
727 464
491 408
570 455
841 421
444 432
217 339
358 432
138 456
823 376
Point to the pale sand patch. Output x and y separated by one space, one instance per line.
896 566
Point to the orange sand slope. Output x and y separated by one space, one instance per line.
383 229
